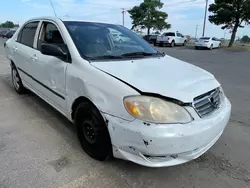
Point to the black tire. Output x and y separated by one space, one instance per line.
172 44
161 45
16 80
93 132
185 42
196 47
220 45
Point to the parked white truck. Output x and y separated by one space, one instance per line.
172 39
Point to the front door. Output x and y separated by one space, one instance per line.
50 71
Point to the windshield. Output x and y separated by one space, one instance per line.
99 41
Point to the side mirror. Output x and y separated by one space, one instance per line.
53 50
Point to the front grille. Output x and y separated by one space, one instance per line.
207 103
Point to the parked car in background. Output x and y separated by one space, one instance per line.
151 38
131 102
120 38
9 34
3 33
171 38
208 42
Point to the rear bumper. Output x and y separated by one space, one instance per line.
162 42
202 45
155 145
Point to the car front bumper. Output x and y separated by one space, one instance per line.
159 145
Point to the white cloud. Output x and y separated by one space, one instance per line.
110 11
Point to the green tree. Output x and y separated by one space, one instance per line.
148 15
7 24
245 39
232 14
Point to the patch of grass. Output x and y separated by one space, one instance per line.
240 47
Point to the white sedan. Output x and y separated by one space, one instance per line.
127 101
208 42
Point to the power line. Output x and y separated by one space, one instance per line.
180 2
51 3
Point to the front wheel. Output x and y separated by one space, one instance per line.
16 81
93 132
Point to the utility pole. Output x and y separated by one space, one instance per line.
205 19
51 3
123 15
196 30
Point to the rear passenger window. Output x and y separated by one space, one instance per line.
27 34
179 35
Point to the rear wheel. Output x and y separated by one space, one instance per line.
211 47
172 44
220 45
196 47
16 81
92 132
184 44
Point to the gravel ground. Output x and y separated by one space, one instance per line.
39 148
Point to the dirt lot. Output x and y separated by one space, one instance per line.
39 148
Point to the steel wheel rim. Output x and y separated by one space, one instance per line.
16 80
89 132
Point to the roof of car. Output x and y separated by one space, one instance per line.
69 19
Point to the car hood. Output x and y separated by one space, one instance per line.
166 76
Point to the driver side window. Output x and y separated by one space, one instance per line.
49 34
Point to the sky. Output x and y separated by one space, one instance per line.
183 15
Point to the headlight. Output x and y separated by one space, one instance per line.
156 110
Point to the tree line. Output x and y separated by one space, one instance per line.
8 24
228 14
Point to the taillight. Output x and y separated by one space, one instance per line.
206 41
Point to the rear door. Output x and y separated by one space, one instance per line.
216 42
178 38
23 50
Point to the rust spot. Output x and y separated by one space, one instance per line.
145 142
146 123
174 156
107 121
130 147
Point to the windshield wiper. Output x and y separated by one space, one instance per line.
132 54
105 57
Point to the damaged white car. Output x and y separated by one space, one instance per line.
127 99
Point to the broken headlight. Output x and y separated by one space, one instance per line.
156 110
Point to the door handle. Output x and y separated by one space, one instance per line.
33 57
15 49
